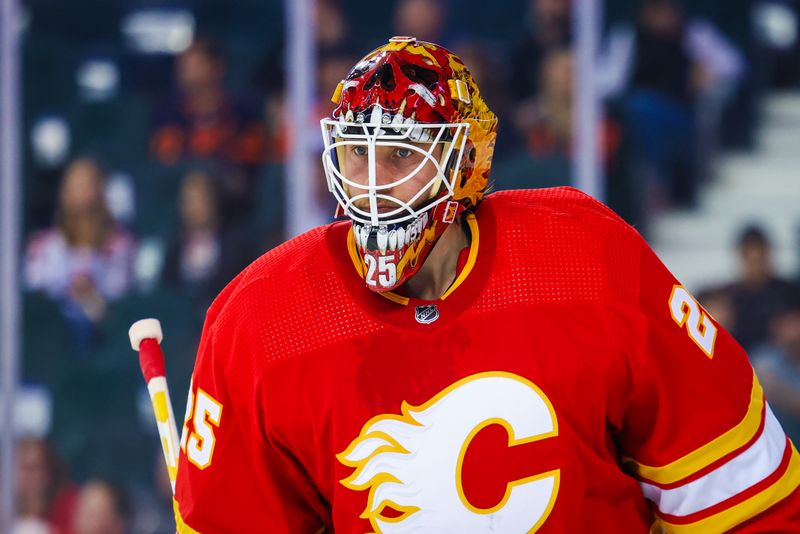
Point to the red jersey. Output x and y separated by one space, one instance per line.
566 382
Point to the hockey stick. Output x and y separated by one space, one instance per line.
146 336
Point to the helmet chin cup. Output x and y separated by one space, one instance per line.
391 254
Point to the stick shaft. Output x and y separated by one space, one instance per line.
165 421
150 351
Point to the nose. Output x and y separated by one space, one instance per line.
385 174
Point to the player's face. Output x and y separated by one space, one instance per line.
392 164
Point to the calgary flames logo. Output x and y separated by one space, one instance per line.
411 463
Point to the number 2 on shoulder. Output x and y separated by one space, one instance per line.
686 312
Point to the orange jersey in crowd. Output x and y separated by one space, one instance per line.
566 383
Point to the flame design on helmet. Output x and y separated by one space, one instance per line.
426 83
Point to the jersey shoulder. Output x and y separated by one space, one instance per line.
559 203
291 300
287 262
561 244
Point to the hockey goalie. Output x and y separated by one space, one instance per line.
440 359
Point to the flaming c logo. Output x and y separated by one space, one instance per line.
411 463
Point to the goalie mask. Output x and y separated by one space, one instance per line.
407 150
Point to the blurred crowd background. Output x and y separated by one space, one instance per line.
155 138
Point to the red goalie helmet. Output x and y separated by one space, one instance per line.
407 150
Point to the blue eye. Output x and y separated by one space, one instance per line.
403 153
360 150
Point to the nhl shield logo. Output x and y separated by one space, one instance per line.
426 314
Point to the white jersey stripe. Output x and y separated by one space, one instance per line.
743 471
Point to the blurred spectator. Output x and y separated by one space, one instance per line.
666 64
44 494
205 256
102 509
760 293
669 53
330 24
423 19
85 259
548 28
545 122
205 122
777 364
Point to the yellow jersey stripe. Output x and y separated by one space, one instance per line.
735 438
351 248
394 297
473 255
180 524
